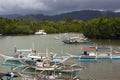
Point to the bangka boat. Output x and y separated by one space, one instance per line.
47 63
75 39
103 53
54 64
30 58
96 53
51 76
23 54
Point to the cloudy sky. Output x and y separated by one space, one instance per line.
55 6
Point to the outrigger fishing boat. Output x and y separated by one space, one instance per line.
75 39
50 71
96 53
55 64
51 76
23 55
30 57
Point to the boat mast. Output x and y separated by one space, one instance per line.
33 47
96 51
15 49
110 50
47 52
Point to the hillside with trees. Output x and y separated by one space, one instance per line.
84 15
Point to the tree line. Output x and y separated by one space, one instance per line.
102 27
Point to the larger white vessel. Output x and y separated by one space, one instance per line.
40 32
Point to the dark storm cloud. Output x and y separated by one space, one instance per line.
55 6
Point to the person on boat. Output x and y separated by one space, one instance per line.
85 53
8 78
34 51
41 57
21 55
51 55
15 50
12 74
108 54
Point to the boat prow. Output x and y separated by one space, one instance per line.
72 56
5 57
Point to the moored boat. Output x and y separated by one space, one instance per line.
96 53
75 39
40 32
20 55
101 53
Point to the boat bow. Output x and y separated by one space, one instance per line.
5 57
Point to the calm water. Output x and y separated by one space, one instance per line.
99 70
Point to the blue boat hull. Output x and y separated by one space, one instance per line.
13 62
68 42
104 58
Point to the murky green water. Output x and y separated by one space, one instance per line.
99 70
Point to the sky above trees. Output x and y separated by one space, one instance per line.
51 7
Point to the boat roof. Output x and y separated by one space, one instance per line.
24 50
38 57
103 48
88 49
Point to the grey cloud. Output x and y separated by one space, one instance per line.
55 6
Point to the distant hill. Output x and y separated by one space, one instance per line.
80 15
11 16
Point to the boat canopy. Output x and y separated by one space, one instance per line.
24 50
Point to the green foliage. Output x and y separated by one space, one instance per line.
103 27
68 18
